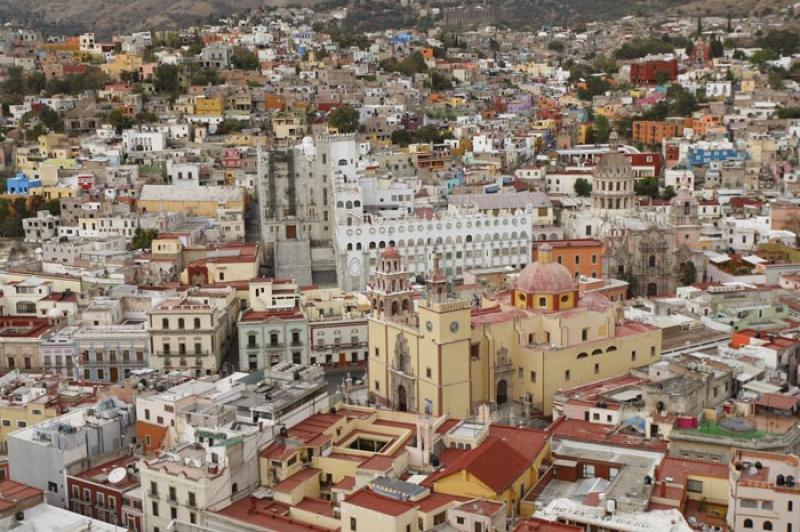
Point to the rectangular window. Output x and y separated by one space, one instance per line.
533 376
155 508
566 375
588 470
353 523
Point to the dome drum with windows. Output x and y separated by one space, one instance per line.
545 286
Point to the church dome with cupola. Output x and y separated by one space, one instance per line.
545 285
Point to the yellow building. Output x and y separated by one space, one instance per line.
53 192
417 363
122 63
18 415
523 345
209 105
203 201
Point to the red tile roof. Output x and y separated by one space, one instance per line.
267 515
365 498
778 401
495 463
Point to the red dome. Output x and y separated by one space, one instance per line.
390 253
549 277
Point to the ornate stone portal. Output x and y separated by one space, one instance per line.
503 372
402 380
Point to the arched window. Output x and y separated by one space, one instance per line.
181 323
597 352
748 523
652 261
767 525
582 355
611 349
197 323
251 340
349 204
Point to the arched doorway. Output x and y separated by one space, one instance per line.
502 392
652 289
402 399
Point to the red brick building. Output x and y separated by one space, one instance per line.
647 72
99 491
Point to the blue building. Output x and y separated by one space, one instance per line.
456 180
20 184
704 156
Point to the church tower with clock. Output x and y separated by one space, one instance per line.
420 363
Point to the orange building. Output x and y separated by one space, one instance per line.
653 132
582 256
702 125
150 435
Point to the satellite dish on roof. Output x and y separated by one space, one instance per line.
117 475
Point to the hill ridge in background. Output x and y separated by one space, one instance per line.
106 17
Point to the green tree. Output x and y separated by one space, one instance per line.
595 85
167 80
44 117
439 82
601 129
344 119
244 59
775 79
143 238
582 187
785 113
54 206
556 46
669 193
118 120
647 187
717 48
688 273
402 137
783 42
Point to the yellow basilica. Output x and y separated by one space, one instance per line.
443 356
